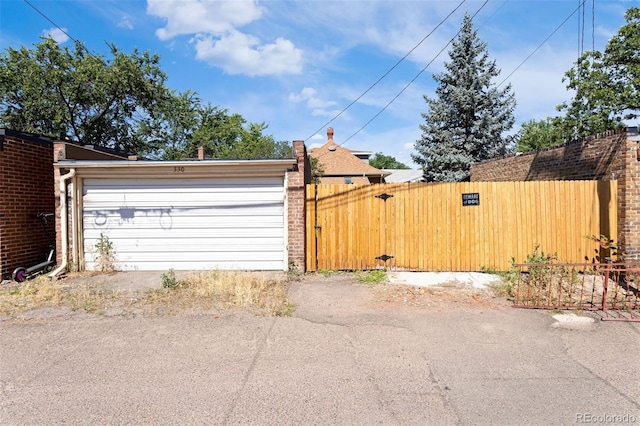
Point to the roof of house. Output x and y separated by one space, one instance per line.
339 161
404 175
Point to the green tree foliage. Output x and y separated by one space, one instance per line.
169 131
229 136
72 94
317 169
121 103
606 85
535 135
381 161
467 119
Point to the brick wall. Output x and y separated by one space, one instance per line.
610 155
26 188
296 180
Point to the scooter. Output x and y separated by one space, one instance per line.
21 273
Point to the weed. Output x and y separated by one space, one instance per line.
508 280
169 279
503 288
329 272
105 254
607 251
375 276
294 273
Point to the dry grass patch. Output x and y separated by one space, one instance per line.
43 292
258 293
255 292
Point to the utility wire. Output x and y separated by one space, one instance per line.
70 36
408 84
54 24
388 72
414 78
541 44
593 25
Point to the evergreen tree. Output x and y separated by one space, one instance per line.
467 119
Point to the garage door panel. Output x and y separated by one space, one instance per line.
182 198
153 184
183 222
197 256
167 235
262 245
187 223
199 266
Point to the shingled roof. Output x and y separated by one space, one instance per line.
339 163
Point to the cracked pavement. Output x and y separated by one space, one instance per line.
346 356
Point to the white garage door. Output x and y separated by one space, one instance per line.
187 224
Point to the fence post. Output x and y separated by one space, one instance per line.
605 285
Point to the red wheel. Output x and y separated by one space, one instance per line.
20 274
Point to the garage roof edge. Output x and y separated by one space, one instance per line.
160 169
196 163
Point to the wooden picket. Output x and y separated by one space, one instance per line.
425 227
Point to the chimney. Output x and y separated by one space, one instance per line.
330 133
201 153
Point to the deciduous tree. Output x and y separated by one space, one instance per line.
76 95
381 161
120 102
606 85
539 134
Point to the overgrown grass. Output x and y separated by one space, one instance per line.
254 292
508 280
43 292
372 277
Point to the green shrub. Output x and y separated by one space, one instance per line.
169 279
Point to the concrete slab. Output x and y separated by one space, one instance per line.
427 279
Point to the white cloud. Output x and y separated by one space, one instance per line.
318 106
239 53
57 34
218 41
202 16
125 22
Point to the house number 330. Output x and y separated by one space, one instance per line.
178 169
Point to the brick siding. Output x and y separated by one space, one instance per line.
26 188
610 155
296 180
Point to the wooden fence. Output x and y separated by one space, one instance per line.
466 226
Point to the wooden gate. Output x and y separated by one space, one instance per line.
466 226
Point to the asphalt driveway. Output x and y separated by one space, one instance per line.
350 354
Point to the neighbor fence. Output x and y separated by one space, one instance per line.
470 226
611 288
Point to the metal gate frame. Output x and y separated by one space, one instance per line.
610 288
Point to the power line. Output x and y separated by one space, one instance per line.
593 25
409 83
78 42
541 44
412 80
53 23
388 72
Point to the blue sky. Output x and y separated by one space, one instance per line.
295 65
